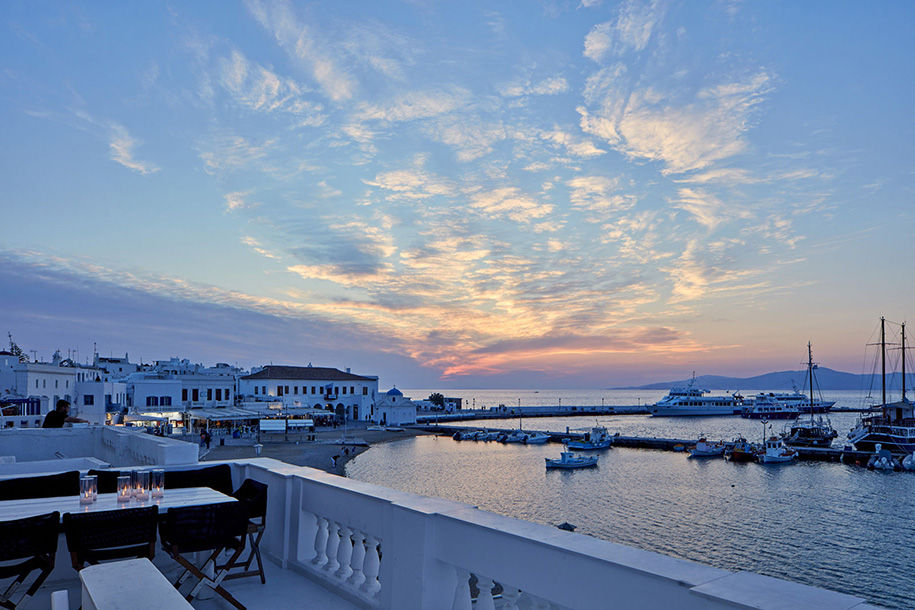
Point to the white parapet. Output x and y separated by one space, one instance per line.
382 548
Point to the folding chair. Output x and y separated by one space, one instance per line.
111 534
212 527
253 495
27 545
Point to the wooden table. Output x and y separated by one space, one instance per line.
188 496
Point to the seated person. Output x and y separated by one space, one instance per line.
61 415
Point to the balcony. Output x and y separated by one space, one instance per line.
333 542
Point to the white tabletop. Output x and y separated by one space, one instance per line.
188 496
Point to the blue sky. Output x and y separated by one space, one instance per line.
576 193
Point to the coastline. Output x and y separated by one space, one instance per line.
314 454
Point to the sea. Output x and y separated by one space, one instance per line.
831 525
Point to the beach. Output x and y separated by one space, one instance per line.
318 453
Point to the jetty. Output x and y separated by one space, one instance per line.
503 412
820 454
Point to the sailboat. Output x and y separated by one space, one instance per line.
810 431
894 426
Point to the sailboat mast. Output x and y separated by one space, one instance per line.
883 358
903 361
810 373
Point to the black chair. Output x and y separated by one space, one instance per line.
107 480
216 477
111 534
253 496
27 545
212 527
48 486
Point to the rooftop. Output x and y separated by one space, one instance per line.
310 373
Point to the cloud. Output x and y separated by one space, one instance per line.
305 46
684 136
414 105
121 144
631 30
549 86
236 200
470 137
510 202
256 246
410 184
229 151
574 145
598 193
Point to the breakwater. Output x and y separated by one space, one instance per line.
543 411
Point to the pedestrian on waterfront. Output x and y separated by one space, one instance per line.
207 438
333 460
60 415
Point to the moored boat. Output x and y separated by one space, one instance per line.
775 452
570 460
766 407
704 448
740 450
691 400
597 438
536 438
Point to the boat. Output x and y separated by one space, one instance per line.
597 438
692 400
802 402
809 431
766 407
536 438
515 436
881 460
570 460
908 462
703 448
892 426
740 450
775 452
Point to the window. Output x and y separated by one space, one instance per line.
66 383
209 393
255 390
218 393
365 391
344 390
195 395
295 389
264 390
279 390
152 401
184 394
44 383
352 390
56 381
227 394
165 401
313 390
88 399
286 388
36 384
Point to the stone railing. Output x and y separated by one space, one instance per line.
381 548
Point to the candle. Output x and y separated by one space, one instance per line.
85 490
125 491
141 488
93 486
157 483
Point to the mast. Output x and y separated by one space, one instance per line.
903 362
810 373
883 360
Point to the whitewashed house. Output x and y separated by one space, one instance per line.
394 409
344 393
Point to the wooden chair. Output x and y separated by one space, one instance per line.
212 528
27 545
253 495
111 534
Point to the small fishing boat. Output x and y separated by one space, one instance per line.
881 460
776 452
570 460
597 438
536 438
740 450
517 436
703 448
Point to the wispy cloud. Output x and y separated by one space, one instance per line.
510 202
229 151
122 145
631 30
550 86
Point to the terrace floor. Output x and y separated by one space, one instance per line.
284 589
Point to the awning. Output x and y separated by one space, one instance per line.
226 414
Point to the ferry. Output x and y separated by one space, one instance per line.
765 406
691 400
801 402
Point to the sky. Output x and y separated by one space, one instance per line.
549 193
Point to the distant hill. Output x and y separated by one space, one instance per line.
827 379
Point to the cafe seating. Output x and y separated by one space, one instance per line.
215 477
46 486
107 480
27 545
253 496
111 534
213 528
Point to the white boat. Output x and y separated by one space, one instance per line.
764 406
908 462
537 438
881 460
801 402
703 448
516 436
776 452
570 460
597 438
691 400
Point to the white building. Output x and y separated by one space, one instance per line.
312 386
394 409
116 367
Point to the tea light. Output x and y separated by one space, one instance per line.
125 490
93 486
85 490
157 483
141 487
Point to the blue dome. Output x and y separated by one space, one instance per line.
394 392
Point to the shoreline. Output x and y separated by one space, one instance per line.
318 453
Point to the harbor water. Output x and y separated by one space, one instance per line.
830 525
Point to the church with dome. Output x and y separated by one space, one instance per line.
394 409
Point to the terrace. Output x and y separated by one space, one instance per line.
333 542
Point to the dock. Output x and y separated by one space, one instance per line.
819 454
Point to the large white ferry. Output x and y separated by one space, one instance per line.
691 400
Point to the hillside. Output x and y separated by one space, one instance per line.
827 379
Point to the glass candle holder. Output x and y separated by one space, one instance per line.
157 483
125 490
93 486
85 490
141 487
